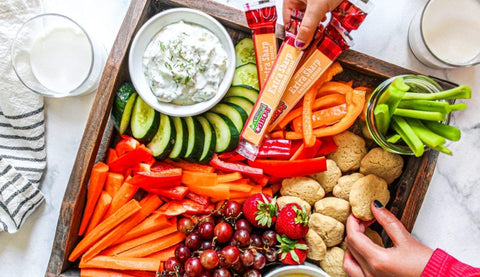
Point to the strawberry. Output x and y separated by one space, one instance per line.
292 221
260 210
291 251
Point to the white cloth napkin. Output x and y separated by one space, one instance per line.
22 127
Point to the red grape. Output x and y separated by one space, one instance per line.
193 241
182 253
231 254
193 267
221 272
232 209
171 264
242 236
205 230
209 259
256 240
259 261
247 258
223 231
242 223
252 273
185 225
269 238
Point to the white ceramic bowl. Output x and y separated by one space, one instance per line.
307 269
145 35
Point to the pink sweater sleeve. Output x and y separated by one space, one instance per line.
442 264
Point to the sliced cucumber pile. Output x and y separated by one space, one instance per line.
193 138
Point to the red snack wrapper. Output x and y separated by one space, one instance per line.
261 18
351 13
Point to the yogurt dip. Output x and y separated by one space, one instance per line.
184 64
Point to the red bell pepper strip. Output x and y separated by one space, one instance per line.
328 146
200 199
175 193
126 145
232 156
157 179
235 167
275 148
131 159
159 166
307 152
178 207
281 168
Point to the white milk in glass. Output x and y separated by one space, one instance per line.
451 30
61 59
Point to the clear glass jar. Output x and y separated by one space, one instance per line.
417 83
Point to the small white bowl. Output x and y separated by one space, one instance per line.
307 269
145 35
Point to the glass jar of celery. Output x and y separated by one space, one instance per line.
408 114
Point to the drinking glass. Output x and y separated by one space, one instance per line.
54 56
446 33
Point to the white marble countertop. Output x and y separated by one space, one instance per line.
448 218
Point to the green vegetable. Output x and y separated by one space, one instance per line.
430 138
460 92
444 130
424 115
401 126
394 138
382 118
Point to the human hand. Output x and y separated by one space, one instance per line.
315 11
408 257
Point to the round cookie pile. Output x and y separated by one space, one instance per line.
354 178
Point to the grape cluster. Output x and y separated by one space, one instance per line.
222 244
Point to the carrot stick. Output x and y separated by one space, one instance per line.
279 134
240 194
148 205
229 177
101 208
154 246
111 155
113 183
97 181
267 191
142 273
199 178
334 87
308 137
119 248
124 194
104 227
293 135
240 187
191 166
321 102
217 191
165 254
100 272
154 222
122 263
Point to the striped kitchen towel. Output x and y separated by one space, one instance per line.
22 128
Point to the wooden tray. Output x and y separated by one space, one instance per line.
407 192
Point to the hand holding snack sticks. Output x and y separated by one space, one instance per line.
283 89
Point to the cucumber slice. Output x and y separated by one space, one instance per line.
243 103
163 141
144 122
181 137
226 133
236 114
123 106
245 52
246 75
209 141
243 91
195 139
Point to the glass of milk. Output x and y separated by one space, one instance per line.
446 33
54 56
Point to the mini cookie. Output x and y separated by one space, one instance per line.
333 262
351 149
282 201
334 207
344 184
328 228
316 247
364 191
382 163
305 188
328 179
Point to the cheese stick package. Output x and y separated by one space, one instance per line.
336 39
352 13
283 68
262 18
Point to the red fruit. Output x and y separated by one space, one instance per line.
292 221
292 252
260 210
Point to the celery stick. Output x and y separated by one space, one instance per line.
444 130
442 148
424 115
460 92
401 126
394 138
382 118
425 105
394 99
457 107
400 84
428 137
